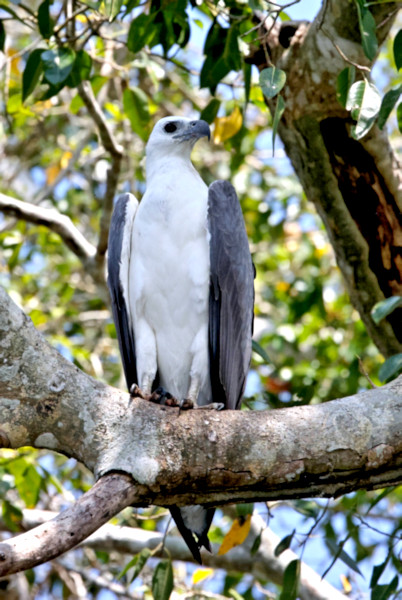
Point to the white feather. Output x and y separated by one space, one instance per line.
169 271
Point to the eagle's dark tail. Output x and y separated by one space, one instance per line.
193 522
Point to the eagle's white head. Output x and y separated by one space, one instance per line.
176 135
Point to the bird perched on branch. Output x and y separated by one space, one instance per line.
180 277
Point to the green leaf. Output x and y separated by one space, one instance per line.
387 104
383 592
45 22
112 8
256 4
231 53
339 552
398 50
377 572
12 516
28 485
284 544
308 508
247 81
364 103
218 62
93 5
32 72
162 580
367 27
81 69
291 578
136 107
391 367
140 32
2 36
261 352
235 594
138 561
209 113
256 544
212 72
58 65
380 496
279 110
399 116
343 82
272 81
242 510
385 307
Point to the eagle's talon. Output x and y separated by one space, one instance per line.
136 392
187 404
212 406
163 398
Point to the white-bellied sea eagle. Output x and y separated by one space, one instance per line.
181 277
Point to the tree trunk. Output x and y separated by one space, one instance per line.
356 185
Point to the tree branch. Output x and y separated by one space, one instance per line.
116 152
51 218
262 565
106 498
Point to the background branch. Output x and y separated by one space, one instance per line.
51 218
262 565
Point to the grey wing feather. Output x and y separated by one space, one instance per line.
119 251
231 299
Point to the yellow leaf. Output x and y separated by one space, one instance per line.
14 61
282 286
227 127
236 534
65 159
51 173
347 588
201 574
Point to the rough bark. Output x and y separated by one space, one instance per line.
190 457
356 186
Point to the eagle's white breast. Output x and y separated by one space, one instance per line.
169 277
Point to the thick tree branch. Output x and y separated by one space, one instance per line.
51 218
196 456
356 185
116 152
262 565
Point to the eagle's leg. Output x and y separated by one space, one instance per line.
147 367
198 371
191 400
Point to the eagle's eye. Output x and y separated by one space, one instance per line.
170 127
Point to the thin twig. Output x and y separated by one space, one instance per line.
69 19
116 151
342 54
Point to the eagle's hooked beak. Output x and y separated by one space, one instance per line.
194 131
